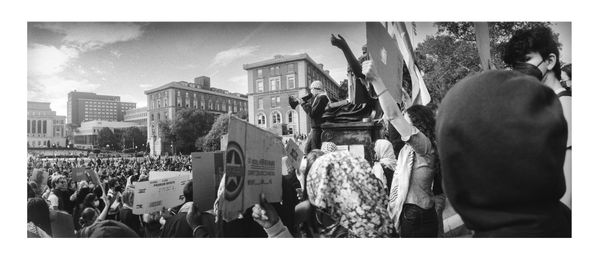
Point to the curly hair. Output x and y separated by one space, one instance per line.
537 39
568 69
423 118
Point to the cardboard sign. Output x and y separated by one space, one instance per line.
208 168
40 177
294 154
252 166
155 175
85 174
152 196
386 57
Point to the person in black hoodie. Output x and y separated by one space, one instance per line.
502 143
177 226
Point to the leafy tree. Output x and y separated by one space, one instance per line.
451 54
186 127
133 136
211 142
106 137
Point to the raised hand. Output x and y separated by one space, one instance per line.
264 213
338 41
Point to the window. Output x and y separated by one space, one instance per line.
33 127
39 126
272 71
291 68
290 81
158 116
259 86
261 120
260 103
259 73
275 117
291 117
275 83
277 70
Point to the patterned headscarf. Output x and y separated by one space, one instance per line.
383 150
328 147
344 186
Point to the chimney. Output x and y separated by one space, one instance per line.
278 56
320 65
327 72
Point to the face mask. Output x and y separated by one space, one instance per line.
530 70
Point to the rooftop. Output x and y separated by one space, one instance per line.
288 58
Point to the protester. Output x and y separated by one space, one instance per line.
411 204
385 162
59 197
314 108
38 218
536 52
177 226
502 139
347 200
126 216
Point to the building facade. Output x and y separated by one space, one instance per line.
86 136
166 100
137 115
271 82
86 106
44 127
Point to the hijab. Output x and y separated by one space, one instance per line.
343 185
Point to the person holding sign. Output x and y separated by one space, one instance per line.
411 188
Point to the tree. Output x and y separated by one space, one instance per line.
211 141
451 54
133 136
243 114
106 137
186 127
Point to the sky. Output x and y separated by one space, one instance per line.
124 59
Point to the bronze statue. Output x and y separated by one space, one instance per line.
362 99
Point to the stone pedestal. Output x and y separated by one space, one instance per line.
353 135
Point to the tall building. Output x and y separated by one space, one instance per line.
137 115
86 106
44 127
271 82
166 100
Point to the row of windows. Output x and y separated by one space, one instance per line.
274 83
156 102
276 70
274 102
276 118
36 126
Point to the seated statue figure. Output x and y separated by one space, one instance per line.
361 99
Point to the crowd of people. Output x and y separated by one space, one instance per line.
498 149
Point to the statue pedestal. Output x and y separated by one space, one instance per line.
357 137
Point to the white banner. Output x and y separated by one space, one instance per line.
152 196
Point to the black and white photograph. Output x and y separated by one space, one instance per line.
405 133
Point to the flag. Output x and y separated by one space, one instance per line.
398 30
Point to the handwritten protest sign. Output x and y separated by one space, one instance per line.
85 174
252 166
40 177
294 154
386 57
152 196
208 168
155 175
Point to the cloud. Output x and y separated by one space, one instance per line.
224 58
54 89
116 53
146 86
92 36
43 60
140 100
238 84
